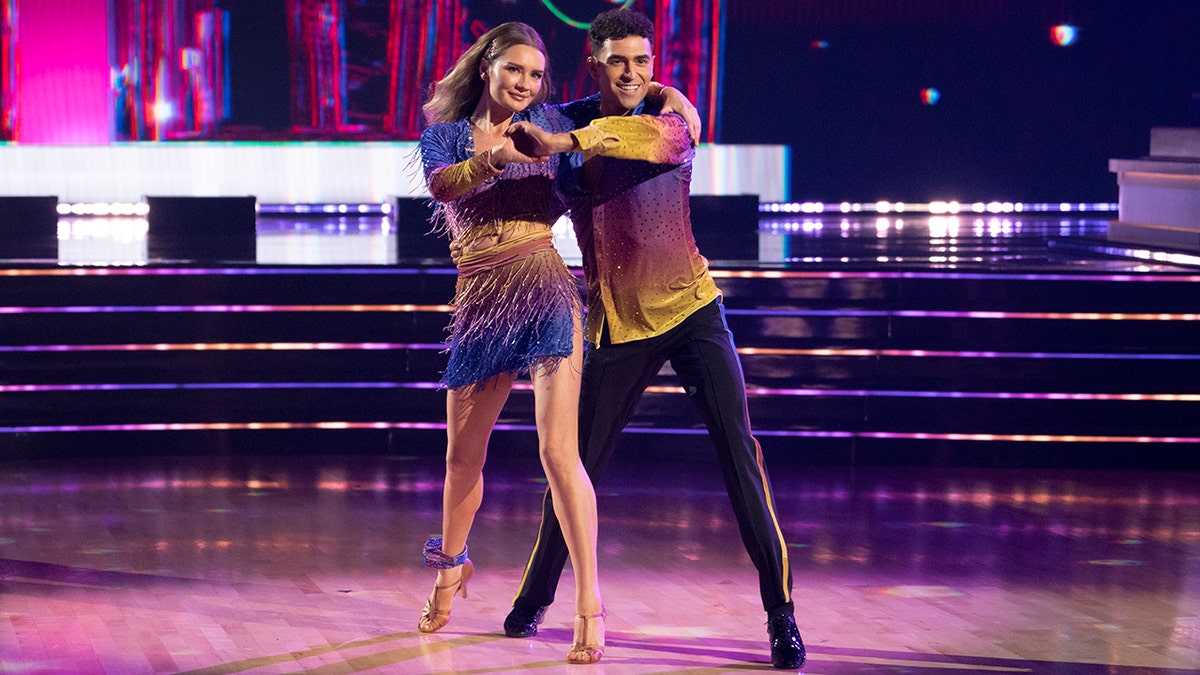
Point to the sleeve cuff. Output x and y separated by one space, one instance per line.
589 137
485 164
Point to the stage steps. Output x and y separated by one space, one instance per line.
870 367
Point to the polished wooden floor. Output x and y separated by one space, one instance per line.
311 563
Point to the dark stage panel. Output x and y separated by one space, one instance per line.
28 227
971 340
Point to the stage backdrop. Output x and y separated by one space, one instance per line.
8 71
95 71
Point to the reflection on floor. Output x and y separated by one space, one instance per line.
352 239
277 564
807 241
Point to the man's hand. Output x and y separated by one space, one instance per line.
675 102
534 140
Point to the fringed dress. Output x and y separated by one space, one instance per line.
515 302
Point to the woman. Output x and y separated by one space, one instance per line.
517 308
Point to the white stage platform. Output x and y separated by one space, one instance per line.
304 173
1160 194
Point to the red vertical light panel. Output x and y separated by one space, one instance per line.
424 42
318 65
689 40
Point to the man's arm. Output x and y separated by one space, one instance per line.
666 99
662 139
656 139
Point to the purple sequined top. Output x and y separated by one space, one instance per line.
477 202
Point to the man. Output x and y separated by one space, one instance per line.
651 300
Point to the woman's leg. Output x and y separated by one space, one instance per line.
471 412
557 416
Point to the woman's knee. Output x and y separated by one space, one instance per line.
461 461
559 457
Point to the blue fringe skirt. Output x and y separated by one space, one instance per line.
515 309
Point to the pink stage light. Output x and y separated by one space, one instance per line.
8 69
64 74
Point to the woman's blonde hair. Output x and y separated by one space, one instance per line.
457 94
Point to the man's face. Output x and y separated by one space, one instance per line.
623 69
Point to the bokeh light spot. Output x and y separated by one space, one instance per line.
1064 34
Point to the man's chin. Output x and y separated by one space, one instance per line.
620 104
631 101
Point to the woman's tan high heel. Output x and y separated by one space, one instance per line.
433 617
581 650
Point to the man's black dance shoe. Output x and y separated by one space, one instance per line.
787 650
523 622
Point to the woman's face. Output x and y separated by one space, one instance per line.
515 79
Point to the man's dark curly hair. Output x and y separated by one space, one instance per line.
617 24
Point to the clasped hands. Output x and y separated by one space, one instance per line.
527 143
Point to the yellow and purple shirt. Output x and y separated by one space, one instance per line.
628 192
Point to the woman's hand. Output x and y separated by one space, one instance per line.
506 152
536 141
675 102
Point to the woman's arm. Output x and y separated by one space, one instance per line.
448 179
671 100
451 181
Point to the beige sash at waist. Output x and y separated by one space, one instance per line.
485 260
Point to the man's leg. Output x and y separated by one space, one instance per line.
709 370
614 377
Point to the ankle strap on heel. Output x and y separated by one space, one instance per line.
437 558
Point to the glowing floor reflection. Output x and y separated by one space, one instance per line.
284 563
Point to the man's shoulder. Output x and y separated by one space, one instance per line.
548 117
649 108
581 111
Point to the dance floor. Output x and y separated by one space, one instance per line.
139 550
256 564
